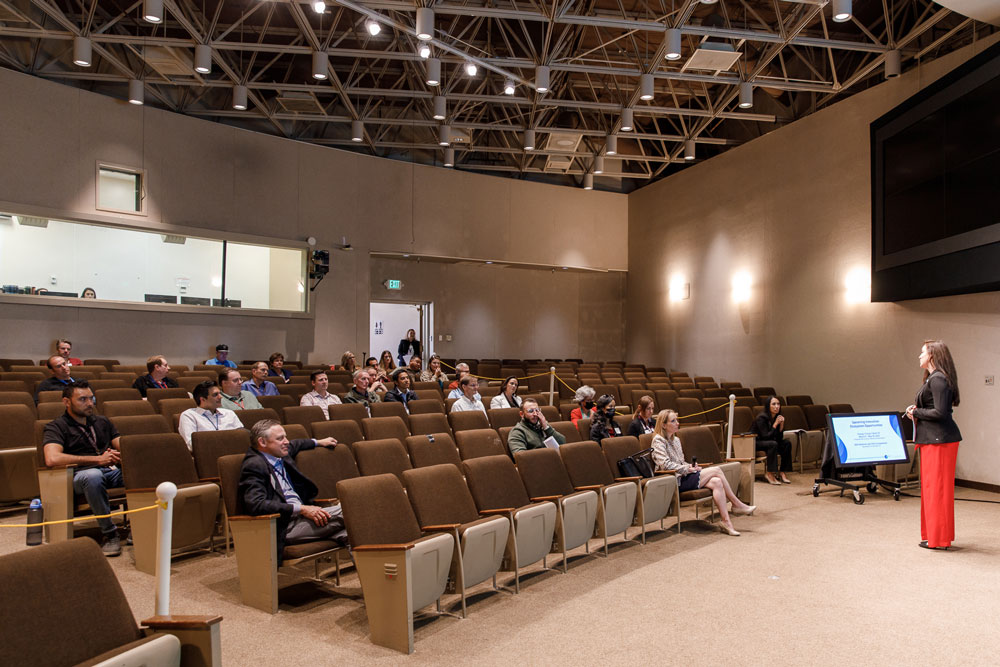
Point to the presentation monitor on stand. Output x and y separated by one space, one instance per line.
855 444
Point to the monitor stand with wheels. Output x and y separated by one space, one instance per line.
849 478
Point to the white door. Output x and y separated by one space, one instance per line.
389 323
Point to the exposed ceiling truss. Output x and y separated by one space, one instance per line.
794 56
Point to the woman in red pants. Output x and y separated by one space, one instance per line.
936 435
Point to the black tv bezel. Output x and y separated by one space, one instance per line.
967 271
865 464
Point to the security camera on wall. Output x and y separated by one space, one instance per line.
319 263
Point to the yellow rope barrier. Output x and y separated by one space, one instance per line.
89 517
484 377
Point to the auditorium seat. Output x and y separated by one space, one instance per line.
355 411
666 399
655 496
389 409
500 417
700 442
302 414
51 410
5 364
432 449
717 393
730 385
479 442
108 364
381 428
250 417
568 430
691 393
763 393
465 421
429 423
278 404
296 391
19 398
127 407
103 396
583 427
189 382
799 399
171 408
154 396
326 466
127 378
841 408
807 444
17 452
208 446
344 431
141 424
816 416
376 457
423 406
588 469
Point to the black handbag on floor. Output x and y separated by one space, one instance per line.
637 465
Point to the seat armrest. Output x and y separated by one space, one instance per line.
181 622
627 479
664 472
261 517
589 487
439 528
65 467
326 501
735 460
206 480
499 510
384 547
538 499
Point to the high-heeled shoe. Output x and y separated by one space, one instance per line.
772 481
729 531
747 512
785 480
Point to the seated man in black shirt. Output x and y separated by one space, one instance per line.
156 378
60 376
401 392
270 483
90 444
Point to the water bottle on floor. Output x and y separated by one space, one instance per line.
35 512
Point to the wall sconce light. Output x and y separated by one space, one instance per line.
742 282
858 286
680 289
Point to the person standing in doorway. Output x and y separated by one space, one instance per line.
408 347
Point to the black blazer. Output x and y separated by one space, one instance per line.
635 426
762 427
145 383
395 394
404 347
609 429
933 421
260 492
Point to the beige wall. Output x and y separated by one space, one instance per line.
793 209
206 176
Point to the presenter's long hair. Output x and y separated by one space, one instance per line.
943 362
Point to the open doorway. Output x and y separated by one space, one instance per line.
389 322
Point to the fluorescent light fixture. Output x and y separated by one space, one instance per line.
508 87
444 135
425 23
202 58
373 27
471 69
627 124
588 184
742 282
842 10
136 92
599 164
611 144
357 131
319 7
646 87
320 62
433 71
424 50
529 140
449 157
689 149
152 10
81 51
542 78
240 98
858 286
893 63
440 107
746 95
673 39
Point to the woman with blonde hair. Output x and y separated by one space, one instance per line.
669 455
348 363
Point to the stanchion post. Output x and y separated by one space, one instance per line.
165 493
729 440
552 384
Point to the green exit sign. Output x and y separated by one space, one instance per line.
393 284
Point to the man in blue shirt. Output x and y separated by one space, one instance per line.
221 357
258 384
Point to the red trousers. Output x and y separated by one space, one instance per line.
937 493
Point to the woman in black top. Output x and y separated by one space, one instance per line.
642 419
769 427
936 436
604 424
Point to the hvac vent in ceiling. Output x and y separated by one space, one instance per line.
168 61
713 56
561 141
298 103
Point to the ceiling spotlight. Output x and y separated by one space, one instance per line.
373 27
611 144
471 69
425 23
646 87
588 184
449 158
529 140
689 149
440 107
424 51
627 124
136 92
202 58
81 51
709 2
599 164
240 98
444 135
893 63
319 7
508 87
152 10
673 51
746 95
842 10
357 131
320 62
542 78
433 71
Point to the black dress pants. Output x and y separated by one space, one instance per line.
772 450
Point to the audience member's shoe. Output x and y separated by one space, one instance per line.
729 530
771 480
747 512
785 480
128 540
112 547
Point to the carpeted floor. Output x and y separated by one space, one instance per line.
810 581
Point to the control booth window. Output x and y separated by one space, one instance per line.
56 258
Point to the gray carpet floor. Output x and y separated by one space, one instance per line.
810 581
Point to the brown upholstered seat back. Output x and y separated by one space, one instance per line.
105 395
376 511
381 428
839 408
501 417
376 457
543 473
141 424
296 432
494 483
717 414
325 467
425 453
666 399
699 441
208 446
438 495
742 419
479 442
69 605
799 399
433 422
18 426
304 415
229 467
128 407
585 464
355 411
150 459
18 397
689 409
279 403
815 416
469 420
422 406
615 449
389 409
250 417
568 430
691 393
154 396
345 431
795 418
763 392
583 428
